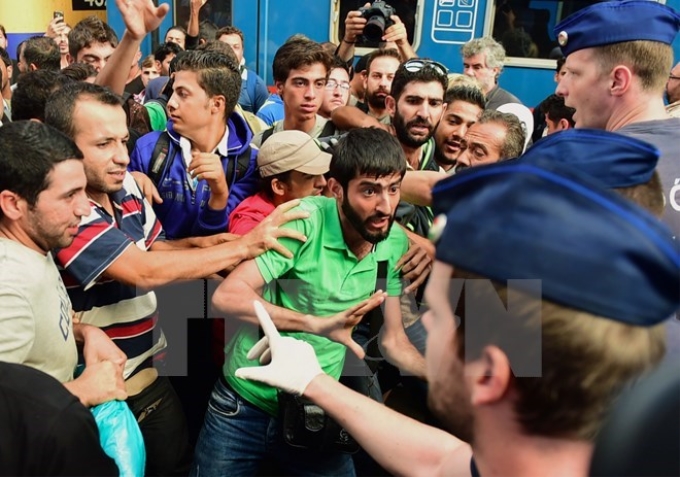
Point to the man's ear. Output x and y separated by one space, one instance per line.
32 67
491 377
621 79
563 124
390 105
279 87
218 103
336 188
12 205
278 187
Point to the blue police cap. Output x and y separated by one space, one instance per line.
592 249
615 22
613 159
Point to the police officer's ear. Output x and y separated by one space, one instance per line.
620 80
336 189
489 377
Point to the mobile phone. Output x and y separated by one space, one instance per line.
58 14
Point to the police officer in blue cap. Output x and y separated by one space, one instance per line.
547 297
619 57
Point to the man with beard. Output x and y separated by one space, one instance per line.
380 69
319 295
506 360
416 104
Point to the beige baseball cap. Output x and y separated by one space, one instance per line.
292 151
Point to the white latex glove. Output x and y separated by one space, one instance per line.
293 362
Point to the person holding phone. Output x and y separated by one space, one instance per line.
58 30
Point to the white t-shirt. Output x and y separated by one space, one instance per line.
35 312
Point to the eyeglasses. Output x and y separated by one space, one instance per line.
415 65
674 77
331 84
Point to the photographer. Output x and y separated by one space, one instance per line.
354 28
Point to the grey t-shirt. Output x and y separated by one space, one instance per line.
665 135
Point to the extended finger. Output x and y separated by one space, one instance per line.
293 215
258 348
290 233
356 348
256 373
406 257
286 206
276 246
266 322
420 279
368 304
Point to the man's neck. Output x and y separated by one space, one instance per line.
413 155
208 138
101 198
648 108
305 125
528 456
16 234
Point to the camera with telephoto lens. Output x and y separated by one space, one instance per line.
378 16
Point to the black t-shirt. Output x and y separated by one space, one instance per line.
135 86
44 429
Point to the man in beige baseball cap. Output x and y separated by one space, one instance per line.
292 166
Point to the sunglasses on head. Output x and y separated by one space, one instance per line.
416 65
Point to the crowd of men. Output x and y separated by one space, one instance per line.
370 231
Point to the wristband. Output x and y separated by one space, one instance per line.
349 42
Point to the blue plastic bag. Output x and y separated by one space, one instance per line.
120 437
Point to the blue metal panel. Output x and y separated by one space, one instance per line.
279 19
245 17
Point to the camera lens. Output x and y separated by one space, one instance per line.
375 28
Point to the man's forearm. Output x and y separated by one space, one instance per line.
400 444
115 73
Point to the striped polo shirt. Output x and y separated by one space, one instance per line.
126 314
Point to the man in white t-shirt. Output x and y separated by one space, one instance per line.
42 198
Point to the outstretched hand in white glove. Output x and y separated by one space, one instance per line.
293 362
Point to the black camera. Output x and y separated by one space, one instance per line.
378 16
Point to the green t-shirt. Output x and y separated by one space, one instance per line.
323 278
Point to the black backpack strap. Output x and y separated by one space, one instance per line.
375 321
328 129
159 158
267 134
241 164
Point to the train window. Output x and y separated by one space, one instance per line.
409 11
215 11
525 27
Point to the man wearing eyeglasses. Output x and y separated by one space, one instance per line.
673 92
337 89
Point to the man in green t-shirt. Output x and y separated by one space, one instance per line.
318 295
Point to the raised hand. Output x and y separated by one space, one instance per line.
141 16
264 236
339 327
293 362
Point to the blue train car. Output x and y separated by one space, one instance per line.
437 29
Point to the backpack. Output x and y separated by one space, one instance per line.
160 162
136 115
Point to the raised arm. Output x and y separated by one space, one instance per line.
140 17
416 188
354 28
